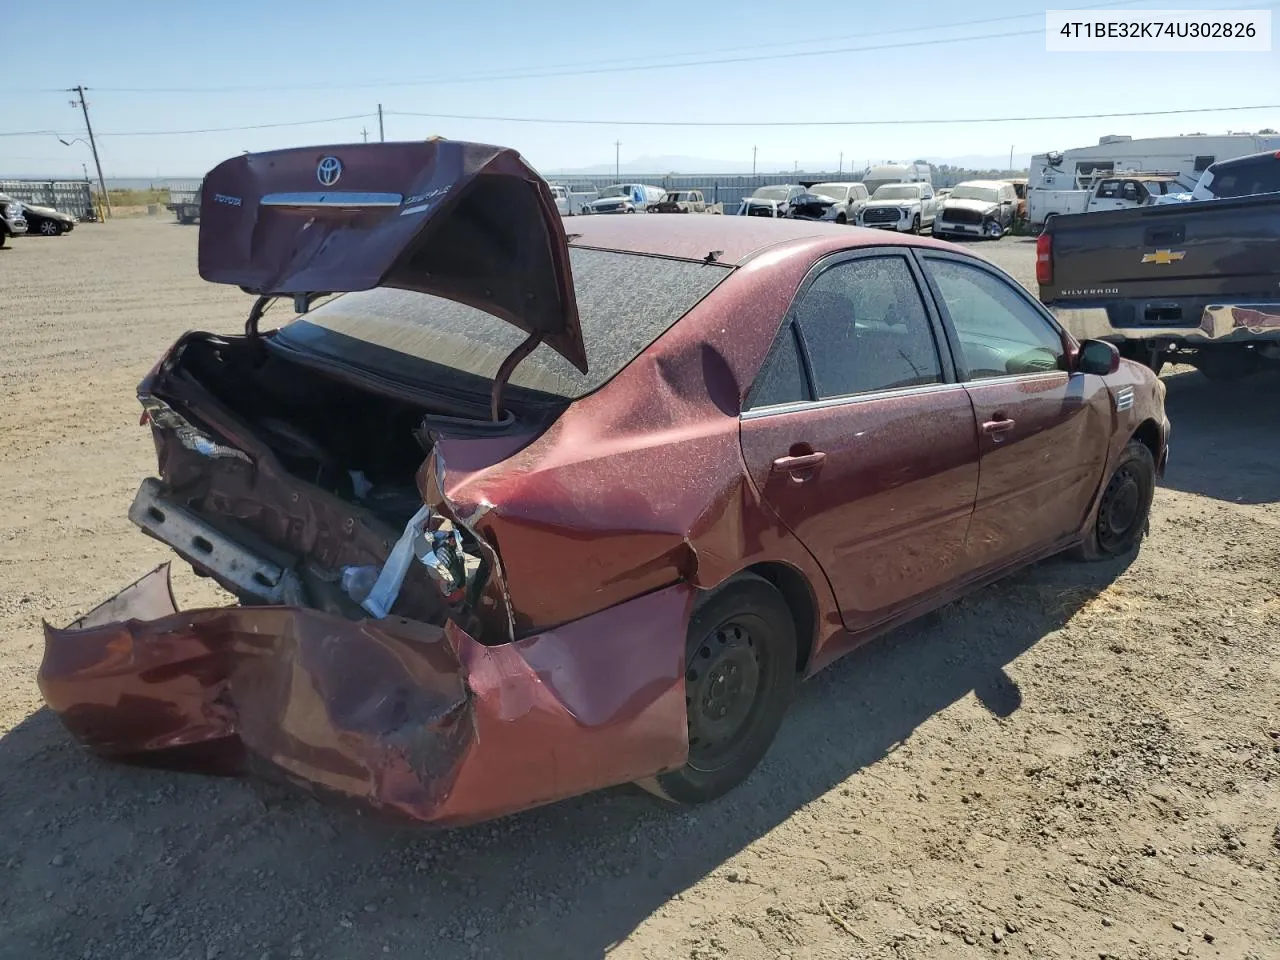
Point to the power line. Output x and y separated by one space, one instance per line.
827 123
252 126
580 68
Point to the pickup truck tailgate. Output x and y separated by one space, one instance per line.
1186 255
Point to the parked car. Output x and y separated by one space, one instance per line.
1241 177
1020 191
812 206
12 222
1194 283
761 207
849 199
905 207
47 221
685 201
780 193
570 200
977 208
508 528
1109 193
625 198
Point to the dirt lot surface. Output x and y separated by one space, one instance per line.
1078 762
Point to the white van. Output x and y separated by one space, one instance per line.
877 176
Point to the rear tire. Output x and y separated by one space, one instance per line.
1124 508
740 663
915 225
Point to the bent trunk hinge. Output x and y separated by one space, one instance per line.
508 367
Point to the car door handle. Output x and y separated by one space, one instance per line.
998 426
805 461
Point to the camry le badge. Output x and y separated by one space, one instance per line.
328 170
1164 256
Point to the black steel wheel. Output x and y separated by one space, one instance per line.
740 674
1124 507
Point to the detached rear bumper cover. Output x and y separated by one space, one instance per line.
405 718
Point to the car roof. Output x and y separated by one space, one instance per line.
983 183
736 239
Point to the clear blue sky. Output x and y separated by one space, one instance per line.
331 58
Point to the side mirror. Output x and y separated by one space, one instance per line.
1097 356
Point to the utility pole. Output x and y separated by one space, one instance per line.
753 161
617 159
841 168
364 133
84 107
1011 159
381 136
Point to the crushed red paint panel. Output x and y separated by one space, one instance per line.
407 719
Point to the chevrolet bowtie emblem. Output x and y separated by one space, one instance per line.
1164 256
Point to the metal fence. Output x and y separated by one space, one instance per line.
72 197
731 188
728 189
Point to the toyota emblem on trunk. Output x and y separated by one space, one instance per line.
328 171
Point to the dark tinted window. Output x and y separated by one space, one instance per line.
866 328
1202 164
781 379
1000 333
1109 190
1244 177
625 302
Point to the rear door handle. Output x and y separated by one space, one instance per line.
805 461
998 426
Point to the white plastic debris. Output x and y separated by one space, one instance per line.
387 587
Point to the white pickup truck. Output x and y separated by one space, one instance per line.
1118 192
904 207
570 200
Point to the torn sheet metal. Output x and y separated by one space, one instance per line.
403 718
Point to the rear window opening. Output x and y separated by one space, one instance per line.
625 302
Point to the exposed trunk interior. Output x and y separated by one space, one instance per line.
356 444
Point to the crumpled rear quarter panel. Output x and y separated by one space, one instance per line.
403 718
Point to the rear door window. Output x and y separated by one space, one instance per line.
865 328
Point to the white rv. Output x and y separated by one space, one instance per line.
1187 157
877 176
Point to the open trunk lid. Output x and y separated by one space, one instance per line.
465 221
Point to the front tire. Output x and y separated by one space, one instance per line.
1124 509
915 225
49 228
740 675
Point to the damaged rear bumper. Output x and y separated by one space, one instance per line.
408 719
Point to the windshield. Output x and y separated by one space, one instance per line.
625 301
679 195
898 191
832 191
622 190
985 194
772 193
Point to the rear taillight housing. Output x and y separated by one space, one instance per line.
1044 259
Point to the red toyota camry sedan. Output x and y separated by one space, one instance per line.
509 515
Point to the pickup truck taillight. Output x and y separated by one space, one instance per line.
1044 259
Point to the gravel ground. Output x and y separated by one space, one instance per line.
1078 762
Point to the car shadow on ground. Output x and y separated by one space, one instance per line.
118 857
1225 441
